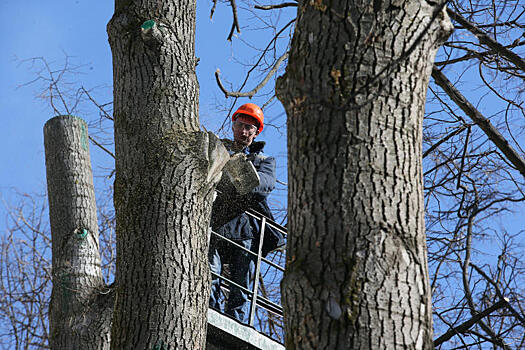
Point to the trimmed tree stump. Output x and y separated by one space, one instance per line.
80 308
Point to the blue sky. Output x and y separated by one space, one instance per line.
56 28
43 29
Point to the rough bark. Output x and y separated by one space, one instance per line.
81 304
166 170
354 92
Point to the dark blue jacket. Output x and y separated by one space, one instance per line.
244 226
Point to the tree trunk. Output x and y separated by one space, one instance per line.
81 305
354 91
166 169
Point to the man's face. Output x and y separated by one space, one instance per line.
244 130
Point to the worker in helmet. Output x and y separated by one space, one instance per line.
248 122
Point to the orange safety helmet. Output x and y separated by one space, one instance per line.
252 110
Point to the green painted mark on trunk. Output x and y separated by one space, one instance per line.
83 137
82 233
148 24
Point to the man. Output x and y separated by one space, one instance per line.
228 217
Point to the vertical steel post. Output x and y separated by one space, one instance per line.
257 271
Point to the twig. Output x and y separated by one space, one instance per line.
102 147
471 54
257 88
213 8
275 37
235 24
499 293
443 140
480 66
463 158
492 133
465 266
54 82
267 102
278 6
281 182
485 39
462 328
106 114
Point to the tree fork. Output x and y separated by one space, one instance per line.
81 304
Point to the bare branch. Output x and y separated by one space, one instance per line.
213 8
100 107
493 134
278 6
257 88
472 54
467 138
465 267
485 39
494 90
268 102
465 326
443 140
102 147
498 292
235 24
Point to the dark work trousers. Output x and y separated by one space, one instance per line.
242 268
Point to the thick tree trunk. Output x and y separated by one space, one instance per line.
354 92
166 170
81 305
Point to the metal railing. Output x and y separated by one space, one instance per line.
255 298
